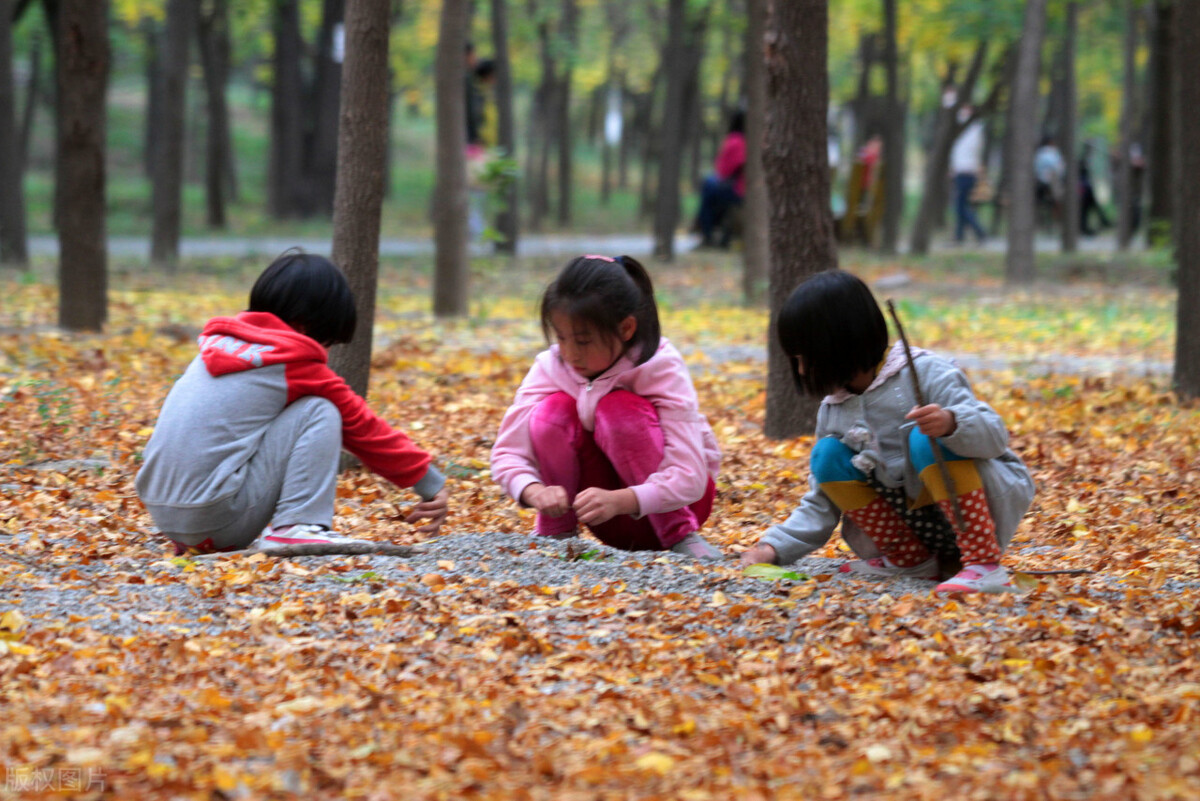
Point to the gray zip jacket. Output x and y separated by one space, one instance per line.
981 435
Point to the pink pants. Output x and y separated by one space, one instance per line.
624 450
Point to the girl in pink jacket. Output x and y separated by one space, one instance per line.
605 429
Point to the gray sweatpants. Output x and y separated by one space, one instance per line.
291 479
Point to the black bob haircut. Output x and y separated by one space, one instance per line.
600 292
833 326
308 293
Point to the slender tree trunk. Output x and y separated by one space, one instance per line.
1125 188
893 136
947 127
756 254
168 164
362 152
287 127
1187 200
322 147
566 142
212 28
13 248
1161 106
797 167
540 134
1070 145
83 66
33 93
684 51
1019 264
152 33
508 219
451 273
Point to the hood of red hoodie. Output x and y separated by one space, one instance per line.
252 340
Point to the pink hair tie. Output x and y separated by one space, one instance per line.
601 258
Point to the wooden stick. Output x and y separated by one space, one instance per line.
326 549
958 522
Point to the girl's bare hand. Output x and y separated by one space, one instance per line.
550 501
758 554
434 510
594 506
933 421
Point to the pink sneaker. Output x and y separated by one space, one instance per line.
979 578
882 567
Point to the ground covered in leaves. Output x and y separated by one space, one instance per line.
495 666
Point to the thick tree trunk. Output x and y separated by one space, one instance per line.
362 152
756 253
508 219
1019 262
1187 200
1161 106
1068 137
796 162
13 248
1125 189
285 178
450 288
685 48
321 153
893 136
167 191
83 65
212 28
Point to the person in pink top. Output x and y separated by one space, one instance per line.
726 187
605 429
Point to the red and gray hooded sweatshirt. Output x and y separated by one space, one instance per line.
250 368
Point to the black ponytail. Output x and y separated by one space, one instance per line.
600 292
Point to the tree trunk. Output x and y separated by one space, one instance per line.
893 136
321 153
287 126
362 152
152 33
540 133
1187 200
1019 261
83 64
1070 147
1125 189
566 171
33 93
796 162
947 127
167 189
13 248
1161 105
684 51
450 290
508 219
212 28
756 253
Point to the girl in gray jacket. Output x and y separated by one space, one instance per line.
873 465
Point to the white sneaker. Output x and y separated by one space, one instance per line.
977 578
882 567
301 534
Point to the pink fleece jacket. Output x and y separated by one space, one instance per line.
691 455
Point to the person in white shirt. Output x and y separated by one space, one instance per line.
966 163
